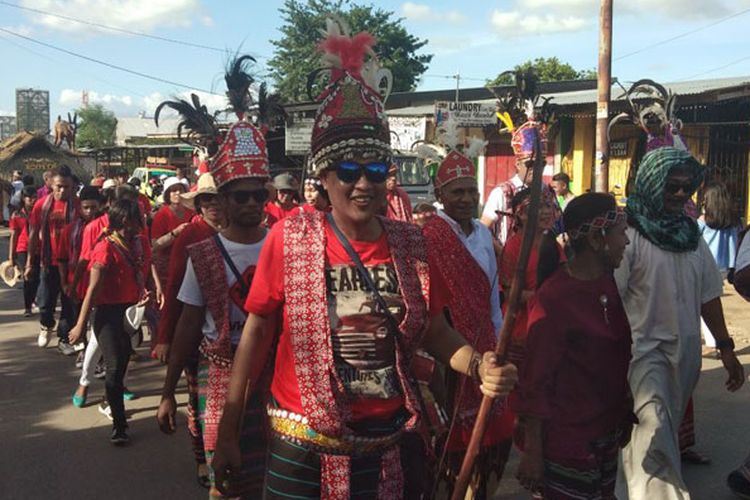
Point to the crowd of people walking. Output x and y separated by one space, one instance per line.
338 344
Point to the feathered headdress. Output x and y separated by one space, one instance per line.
350 120
453 162
197 126
524 113
653 110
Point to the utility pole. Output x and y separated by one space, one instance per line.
601 172
457 76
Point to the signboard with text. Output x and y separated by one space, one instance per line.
466 114
297 137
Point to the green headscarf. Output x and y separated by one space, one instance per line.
645 208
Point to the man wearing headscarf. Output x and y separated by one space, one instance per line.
668 281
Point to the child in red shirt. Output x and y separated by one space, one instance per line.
19 246
119 266
71 240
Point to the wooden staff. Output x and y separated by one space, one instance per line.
514 301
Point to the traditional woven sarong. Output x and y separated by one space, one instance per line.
592 478
249 480
215 368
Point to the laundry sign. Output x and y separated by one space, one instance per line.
466 114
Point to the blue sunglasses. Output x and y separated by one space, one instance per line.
349 172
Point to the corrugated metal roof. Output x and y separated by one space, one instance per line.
589 96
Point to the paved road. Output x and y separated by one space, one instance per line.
52 450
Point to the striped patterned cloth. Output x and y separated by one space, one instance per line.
589 479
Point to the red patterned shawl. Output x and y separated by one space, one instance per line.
322 392
212 278
469 308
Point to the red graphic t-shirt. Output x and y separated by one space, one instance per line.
362 342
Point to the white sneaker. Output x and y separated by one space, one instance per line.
43 338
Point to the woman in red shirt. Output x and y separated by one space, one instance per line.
119 266
19 245
316 197
509 261
573 392
171 219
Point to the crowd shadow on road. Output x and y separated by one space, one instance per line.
53 450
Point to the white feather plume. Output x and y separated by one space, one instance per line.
448 133
429 152
475 148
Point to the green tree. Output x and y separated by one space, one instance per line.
296 54
549 69
96 127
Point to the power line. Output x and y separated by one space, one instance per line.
104 63
48 58
453 77
119 30
683 35
717 69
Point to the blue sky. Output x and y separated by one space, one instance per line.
479 38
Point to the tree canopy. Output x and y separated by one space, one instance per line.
296 54
548 69
97 127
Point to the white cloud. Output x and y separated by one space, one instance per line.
421 12
519 23
21 29
126 105
139 15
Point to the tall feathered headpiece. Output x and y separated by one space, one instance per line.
652 108
350 120
243 154
524 113
197 126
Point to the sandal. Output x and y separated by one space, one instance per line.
79 399
693 457
202 476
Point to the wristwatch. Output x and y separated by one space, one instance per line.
727 343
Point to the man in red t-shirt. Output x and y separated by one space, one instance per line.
48 219
285 202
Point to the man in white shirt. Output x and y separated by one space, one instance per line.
217 281
463 250
497 214
668 280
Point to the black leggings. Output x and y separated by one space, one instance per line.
115 345
31 285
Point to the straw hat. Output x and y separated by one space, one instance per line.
9 273
205 185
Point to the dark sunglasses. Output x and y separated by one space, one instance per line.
241 196
674 187
349 172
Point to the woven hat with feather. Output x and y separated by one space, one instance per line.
454 162
525 114
350 121
241 151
